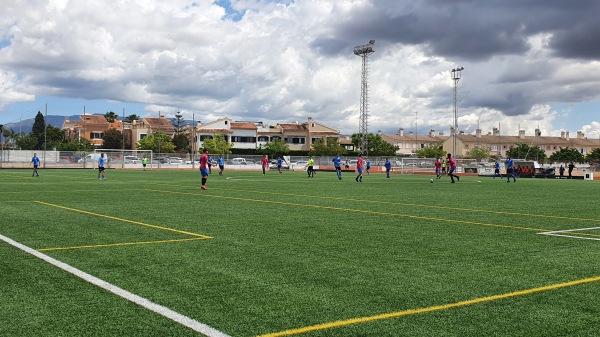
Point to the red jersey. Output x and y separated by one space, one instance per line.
264 161
204 161
359 163
452 162
438 164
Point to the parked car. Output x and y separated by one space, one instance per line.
176 160
238 161
131 160
273 165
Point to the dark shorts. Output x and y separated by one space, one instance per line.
35 166
451 170
509 171
100 168
278 166
221 166
497 171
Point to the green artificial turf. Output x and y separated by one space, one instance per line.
256 254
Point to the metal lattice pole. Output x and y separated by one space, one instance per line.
364 51
456 73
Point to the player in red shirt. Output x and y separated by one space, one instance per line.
204 168
452 164
264 162
438 169
359 168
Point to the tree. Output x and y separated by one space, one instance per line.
112 139
479 153
81 144
158 142
567 154
131 118
54 137
431 151
181 142
377 146
274 148
26 141
218 144
332 147
111 116
178 123
593 156
37 131
524 151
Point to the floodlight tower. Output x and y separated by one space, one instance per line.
456 72
364 51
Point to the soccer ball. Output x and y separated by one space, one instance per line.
431 181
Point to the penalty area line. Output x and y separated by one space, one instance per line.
141 301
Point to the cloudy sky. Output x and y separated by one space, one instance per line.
528 63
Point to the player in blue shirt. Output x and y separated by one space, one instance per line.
36 163
280 160
337 163
101 161
368 167
497 169
221 164
388 167
210 164
510 170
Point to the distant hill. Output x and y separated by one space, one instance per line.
57 121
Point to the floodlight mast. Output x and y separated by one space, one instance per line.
456 73
364 51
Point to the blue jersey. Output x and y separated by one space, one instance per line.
36 161
220 161
388 165
101 162
509 164
210 160
279 160
497 165
368 163
337 162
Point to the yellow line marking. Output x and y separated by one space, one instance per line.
119 244
354 210
124 220
413 205
428 309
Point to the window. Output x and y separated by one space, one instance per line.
96 135
399 145
314 140
494 148
296 140
203 137
264 139
226 122
238 139
143 135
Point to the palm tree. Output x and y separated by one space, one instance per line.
131 118
111 116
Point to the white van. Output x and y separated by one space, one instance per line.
92 158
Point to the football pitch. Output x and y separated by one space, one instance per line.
151 254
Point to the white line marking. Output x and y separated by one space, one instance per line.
558 233
157 308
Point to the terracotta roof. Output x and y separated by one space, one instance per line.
292 126
93 119
214 131
243 126
162 123
409 138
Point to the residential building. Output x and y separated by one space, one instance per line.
90 127
409 143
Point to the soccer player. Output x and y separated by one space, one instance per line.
337 163
310 170
438 168
368 167
101 169
144 162
510 170
204 168
221 164
388 167
444 164
210 164
571 167
264 162
359 168
452 168
497 169
280 161
36 163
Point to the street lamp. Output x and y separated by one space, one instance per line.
456 72
416 129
